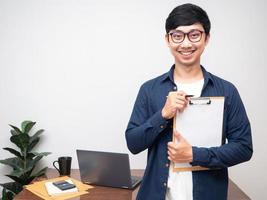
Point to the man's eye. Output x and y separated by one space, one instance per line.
177 36
194 34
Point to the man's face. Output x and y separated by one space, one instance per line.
187 43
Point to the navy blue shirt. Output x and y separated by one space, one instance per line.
147 129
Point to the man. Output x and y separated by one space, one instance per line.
159 99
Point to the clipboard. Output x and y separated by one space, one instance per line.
201 124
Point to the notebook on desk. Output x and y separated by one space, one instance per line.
106 169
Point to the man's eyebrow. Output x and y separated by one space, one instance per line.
194 29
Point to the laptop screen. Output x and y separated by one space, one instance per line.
104 168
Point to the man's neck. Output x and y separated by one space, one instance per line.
187 74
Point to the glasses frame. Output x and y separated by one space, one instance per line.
185 35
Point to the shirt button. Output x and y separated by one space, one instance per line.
167 165
174 88
161 126
165 184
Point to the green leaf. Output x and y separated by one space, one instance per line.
40 173
30 156
13 151
7 195
28 173
35 139
41 154
16 129
12 186
13 132
4 194
22 181
14 162
32 163
17 173
33 143
21 140
21 172
36 135
26 126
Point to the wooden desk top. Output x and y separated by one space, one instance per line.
104 193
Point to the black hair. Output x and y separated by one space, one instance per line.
186 15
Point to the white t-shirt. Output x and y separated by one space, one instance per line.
180 184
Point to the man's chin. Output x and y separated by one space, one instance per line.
187 63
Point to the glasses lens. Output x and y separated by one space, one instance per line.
195 35
177 36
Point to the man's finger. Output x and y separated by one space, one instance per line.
171 152
172 145
177 135
170 158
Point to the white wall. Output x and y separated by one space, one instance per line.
75 67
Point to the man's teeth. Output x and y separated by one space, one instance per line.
186 52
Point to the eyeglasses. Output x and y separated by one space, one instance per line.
179 36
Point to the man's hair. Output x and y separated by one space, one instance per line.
186 15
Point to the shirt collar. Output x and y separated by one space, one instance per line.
169 75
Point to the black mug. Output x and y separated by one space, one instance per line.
64 164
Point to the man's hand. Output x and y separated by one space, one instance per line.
180 151
176 101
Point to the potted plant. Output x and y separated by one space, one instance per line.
24 161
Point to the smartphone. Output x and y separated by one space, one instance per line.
64 185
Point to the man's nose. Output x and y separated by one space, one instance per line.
186 42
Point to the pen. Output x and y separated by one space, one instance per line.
188 95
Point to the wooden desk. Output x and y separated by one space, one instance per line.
107 193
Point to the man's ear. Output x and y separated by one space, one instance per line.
167 40
207 39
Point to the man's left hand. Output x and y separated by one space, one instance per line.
180 151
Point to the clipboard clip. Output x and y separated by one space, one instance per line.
200 101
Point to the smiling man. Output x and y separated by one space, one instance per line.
160 99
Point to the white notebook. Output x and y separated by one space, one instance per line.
53 190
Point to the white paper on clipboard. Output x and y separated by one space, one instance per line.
201 124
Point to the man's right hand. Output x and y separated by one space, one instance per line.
176 102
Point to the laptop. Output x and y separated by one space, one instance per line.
106 169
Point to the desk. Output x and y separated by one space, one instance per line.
107 193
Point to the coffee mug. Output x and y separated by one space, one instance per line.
64 165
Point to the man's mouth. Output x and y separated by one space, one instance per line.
186 53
